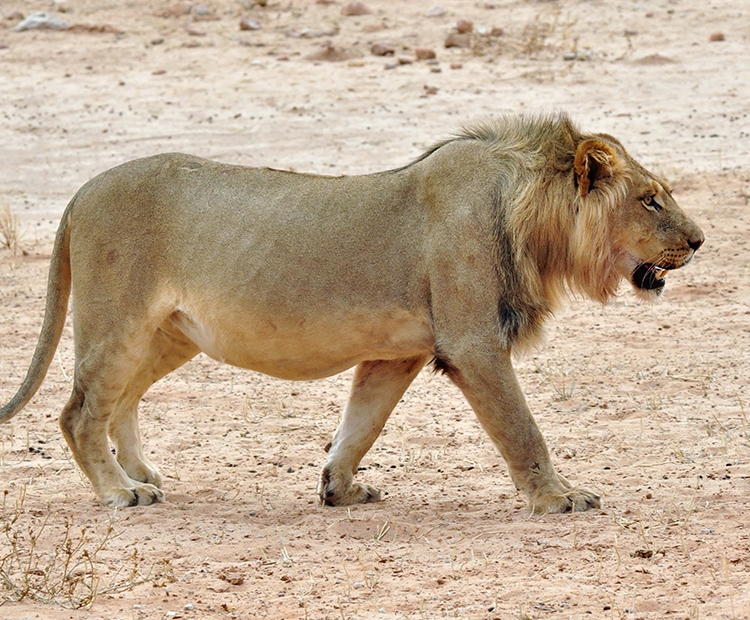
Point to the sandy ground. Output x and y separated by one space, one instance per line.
644 403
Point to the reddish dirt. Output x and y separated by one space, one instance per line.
644 403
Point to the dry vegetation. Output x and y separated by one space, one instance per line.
10 229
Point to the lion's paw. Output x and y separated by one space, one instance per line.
575 499
139 495
336 491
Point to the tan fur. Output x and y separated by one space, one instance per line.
458 257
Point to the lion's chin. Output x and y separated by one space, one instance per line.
648 280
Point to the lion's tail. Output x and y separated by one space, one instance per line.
58 292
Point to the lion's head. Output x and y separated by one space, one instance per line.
629 225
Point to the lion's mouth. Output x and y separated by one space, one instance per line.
649 277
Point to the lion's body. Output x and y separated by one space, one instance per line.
458 257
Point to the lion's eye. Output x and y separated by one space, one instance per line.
650 203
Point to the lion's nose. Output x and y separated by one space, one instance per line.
695 243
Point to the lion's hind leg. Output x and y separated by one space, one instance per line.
115 364
84 423
376 389
169 350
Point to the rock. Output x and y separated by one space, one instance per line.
175 10
435 11
430 90
247 23
717 36
578 55
457 39
382 49
355 8
194 32
464 25
41 21
424 53
312 33
457 65
201 13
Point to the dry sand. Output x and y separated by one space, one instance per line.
645 403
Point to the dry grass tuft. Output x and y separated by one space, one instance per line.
10 229
62 566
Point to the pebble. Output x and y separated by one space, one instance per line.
464 25
201 13
355 8
424 53
383 49
717 36
457 65
41 21
435 11
458 40
249 24
581 55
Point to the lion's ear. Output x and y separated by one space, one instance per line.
594 164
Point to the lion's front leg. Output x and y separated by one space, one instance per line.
490 385
376 389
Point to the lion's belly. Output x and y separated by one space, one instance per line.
304 349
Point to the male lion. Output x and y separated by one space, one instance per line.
457 257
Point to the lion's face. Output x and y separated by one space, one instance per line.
648 234
652 235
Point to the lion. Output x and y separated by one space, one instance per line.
456 258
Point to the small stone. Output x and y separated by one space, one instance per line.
249 24
201 13
403 60
424 53
496 31
462 40
457 65
430 90
383 49
464 25
355 8
717 36
435 11
157 41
